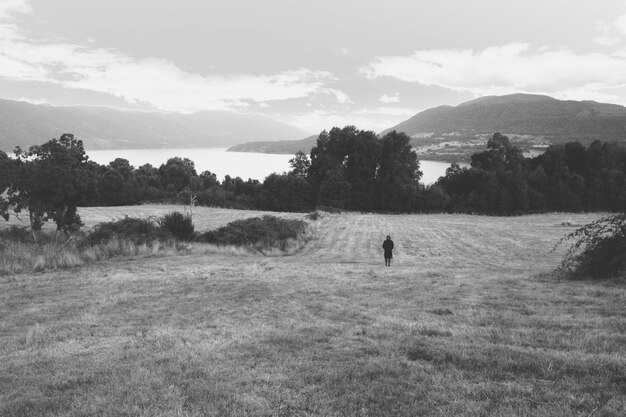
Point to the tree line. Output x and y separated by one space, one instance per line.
348 169
568 177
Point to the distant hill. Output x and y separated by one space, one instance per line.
453 133
278 147
24 124
522 114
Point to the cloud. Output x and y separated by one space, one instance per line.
389 99
610 34
9 7
620 24
340 96
388 111
606 35
166 86
515 67
157 81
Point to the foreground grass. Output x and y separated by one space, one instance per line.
466 322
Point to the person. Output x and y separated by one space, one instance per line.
388 247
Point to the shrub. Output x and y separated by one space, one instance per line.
328 209
138 231
178 225
260 232
16 234
314 215
599 250
126 237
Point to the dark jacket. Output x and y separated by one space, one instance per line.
388 247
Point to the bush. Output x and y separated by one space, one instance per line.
600 248
126 237
138 231
16 234
314 215
329 209
260 232
178 225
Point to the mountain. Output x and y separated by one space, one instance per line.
24 124
454 133
522 114
278 147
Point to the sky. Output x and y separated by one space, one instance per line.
314 64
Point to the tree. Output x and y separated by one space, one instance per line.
471 189
327 173
335 189
285 193
499 156
354 169
300 165
50 181
576 157
7 171
177 173
398 173
519 185
7 168
149 182
208 180
361 164
117 185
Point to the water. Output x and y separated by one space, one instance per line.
217 160
236 164
433 170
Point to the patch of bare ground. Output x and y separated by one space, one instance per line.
467 321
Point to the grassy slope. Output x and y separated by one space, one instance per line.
465 322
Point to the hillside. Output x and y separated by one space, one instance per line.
466 322
24 124
278 147
523 114
532 122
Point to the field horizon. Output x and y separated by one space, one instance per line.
469 320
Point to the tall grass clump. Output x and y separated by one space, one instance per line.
261 233
14 234
135 230
19 253
178 225
598 250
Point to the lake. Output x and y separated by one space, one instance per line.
236 164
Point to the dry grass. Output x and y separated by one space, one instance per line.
465 322
204 218
17 257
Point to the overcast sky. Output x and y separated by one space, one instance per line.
314 64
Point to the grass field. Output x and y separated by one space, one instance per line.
205 218
467 321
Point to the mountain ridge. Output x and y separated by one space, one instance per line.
24 124
454 133
522 114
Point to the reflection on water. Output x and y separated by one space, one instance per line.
236 164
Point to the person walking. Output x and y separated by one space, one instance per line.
388 247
